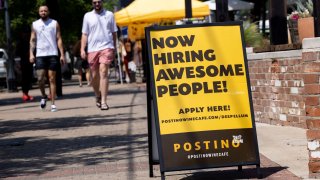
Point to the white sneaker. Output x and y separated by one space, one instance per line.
43 104
53 108
127 80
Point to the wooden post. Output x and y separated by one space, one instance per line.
278 22
11 77
316 15
188 5
222 10
264 17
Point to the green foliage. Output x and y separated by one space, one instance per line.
110 4
2 31
69 14
19 11
304 5
252 36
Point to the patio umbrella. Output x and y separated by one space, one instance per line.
154 11
232 5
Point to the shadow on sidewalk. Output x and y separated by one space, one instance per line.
18 100
268 170
40 154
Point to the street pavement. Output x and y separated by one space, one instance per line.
79 141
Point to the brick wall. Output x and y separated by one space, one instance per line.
277 84
286 90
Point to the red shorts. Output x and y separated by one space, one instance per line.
105 56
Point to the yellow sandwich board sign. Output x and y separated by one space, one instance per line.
202 99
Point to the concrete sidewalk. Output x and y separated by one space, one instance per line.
287 146
82 142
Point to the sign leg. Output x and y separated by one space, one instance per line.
163 177
259 172
150 170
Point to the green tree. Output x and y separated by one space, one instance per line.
69 14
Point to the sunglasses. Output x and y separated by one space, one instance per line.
96 2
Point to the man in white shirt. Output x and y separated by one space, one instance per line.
45 40
99 35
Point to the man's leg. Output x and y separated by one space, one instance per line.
88 76
41 73
80 76
95 82
104 82
52 82
93 60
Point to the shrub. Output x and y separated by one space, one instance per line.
252 36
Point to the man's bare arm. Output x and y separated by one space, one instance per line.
84 39
114 35
60 44
32 45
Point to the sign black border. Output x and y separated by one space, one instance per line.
152 92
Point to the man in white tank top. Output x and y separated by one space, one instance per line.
45 41
99 35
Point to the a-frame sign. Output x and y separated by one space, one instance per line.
199 91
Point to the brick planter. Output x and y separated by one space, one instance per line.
286 91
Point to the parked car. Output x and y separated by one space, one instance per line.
3 69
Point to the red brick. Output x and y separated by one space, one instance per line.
301 124
313 124
314 167
299 69
312 67
294 62
313 111
311 78
312 100
261 76
263 69
309 56
253 70
312 89
313 134
258 108
290 69
281 77
252 77
253 82
294 119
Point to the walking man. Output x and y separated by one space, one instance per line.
45 41
99 35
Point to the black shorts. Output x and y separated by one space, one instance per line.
81 64
47 62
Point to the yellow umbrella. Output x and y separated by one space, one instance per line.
154 11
